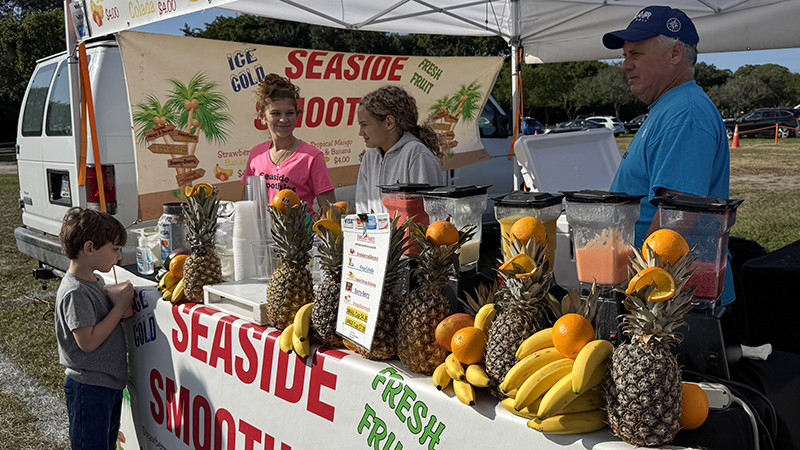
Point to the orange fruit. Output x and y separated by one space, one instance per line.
468 345
668 244
341 205
193 190
283 198
526 228
665 284
441 232
349 345
571 333
329 224
176 265
694 406
523 260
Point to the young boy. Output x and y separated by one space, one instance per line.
91 343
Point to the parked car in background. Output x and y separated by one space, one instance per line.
633 125
761 122
573 125
531 126
610 122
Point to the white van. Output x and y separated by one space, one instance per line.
48 155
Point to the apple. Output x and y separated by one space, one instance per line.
448 327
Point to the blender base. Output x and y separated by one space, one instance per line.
703 348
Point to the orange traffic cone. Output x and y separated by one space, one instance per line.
735 143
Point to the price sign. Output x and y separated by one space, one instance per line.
366 249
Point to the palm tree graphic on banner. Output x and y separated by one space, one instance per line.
447 111
173 128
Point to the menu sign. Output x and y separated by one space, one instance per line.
366 249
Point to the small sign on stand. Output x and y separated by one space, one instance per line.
366 250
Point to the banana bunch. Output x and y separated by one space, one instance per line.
171 288
558 395
296 335
466 377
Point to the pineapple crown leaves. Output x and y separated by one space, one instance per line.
572 302
200 213
399 243
483 296
330 251
291 230
658 321
437 263
536 250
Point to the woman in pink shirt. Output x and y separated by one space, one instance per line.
287 162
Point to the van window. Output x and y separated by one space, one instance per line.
34 105
59 116
487 123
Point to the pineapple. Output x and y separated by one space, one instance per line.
522 310
326 295
384 339
483 296
290 286
203 266
426 306
644 395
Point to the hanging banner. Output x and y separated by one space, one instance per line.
194 110
110 16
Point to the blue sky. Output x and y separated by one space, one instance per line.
789 58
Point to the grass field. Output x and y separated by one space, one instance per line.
765 175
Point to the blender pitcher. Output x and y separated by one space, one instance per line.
465 206
405 199
540 205
705 223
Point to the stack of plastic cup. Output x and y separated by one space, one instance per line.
257 192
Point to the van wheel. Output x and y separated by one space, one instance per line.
783 132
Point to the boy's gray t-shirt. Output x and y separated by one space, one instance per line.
81 303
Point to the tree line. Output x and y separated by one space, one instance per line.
33 29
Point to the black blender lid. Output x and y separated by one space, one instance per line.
406 187
525 199
595 196
691 202
457 191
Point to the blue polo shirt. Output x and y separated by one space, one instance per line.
682 146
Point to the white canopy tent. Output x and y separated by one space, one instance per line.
547 30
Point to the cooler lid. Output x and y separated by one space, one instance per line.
523 199
689 202
405 187
457 191
568 161
595 196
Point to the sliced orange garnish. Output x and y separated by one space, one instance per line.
329 224
201 185
521 259
665 284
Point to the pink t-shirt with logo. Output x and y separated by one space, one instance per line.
304 172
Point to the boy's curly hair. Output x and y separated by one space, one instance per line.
83 225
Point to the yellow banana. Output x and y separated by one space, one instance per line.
167 294
454 368
302 321
561 394
285 340
440 377
465 392
528 413
537 341
302 348
511 394
588 401
476 375
576 423
525 367
177 292
591 355
485 316
541 381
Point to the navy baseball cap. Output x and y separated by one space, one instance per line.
652 21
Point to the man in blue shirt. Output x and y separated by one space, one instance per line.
682 147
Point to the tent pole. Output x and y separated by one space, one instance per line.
515 41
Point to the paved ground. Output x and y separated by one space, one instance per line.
8 167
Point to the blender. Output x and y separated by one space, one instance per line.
603 227
540 205
405 199
465 206
705 223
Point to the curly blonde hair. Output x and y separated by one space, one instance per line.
275 87
396 102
